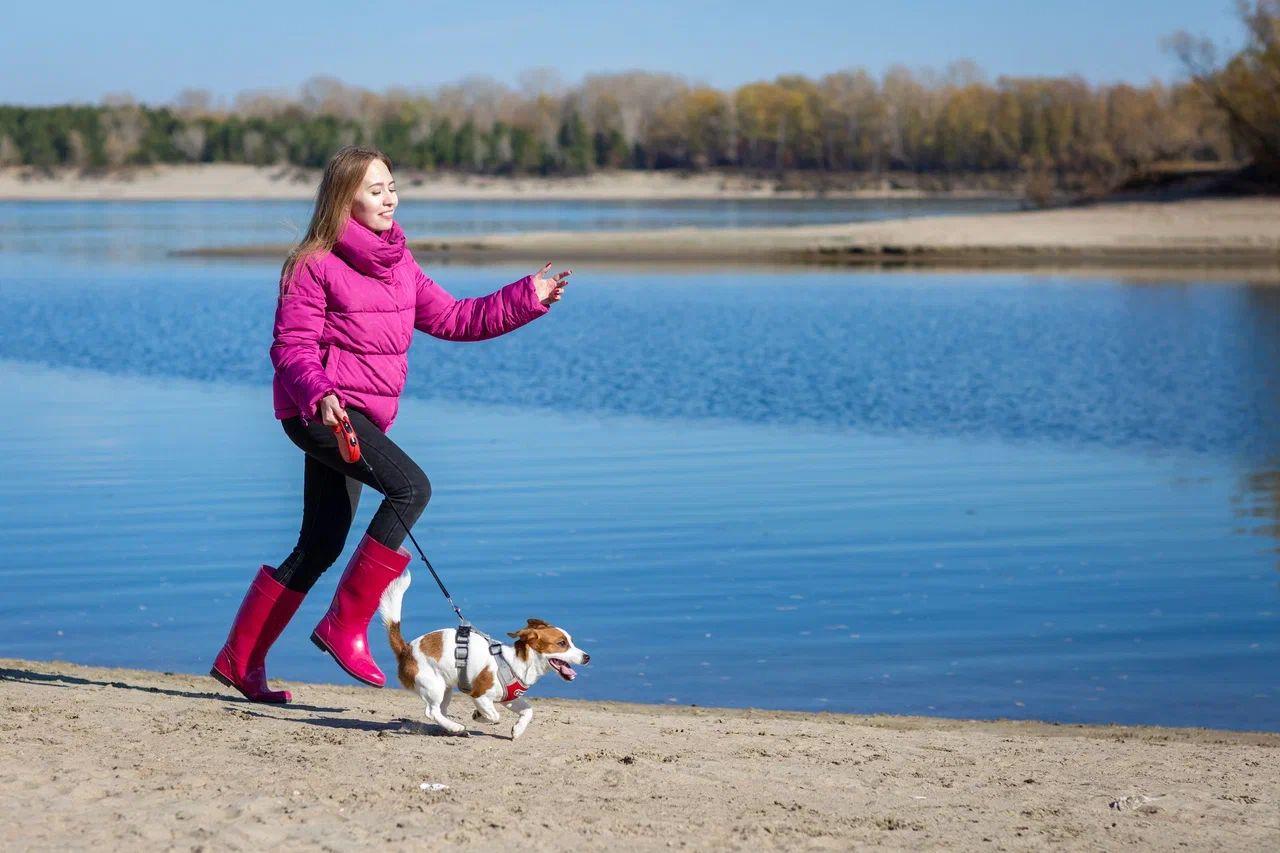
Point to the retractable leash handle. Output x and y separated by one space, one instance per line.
349 449
348 444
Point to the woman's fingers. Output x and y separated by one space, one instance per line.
557 282
331 411
558 277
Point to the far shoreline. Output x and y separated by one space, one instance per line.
1235 237
236 182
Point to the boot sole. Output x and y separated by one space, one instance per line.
229 683
319 644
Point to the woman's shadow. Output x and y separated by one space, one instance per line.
52 679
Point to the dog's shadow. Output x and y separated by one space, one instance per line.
52 679
402 726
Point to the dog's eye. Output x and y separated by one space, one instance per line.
564 644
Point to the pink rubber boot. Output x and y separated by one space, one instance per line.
343 632
242 662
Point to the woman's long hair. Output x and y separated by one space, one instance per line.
342 176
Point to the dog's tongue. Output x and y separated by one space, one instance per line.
566 671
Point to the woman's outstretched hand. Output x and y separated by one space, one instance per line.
331 411
550 287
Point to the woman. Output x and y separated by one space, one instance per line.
351 296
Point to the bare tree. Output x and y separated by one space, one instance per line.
542 82
1247 86
194 103
10 154
123 128
852 118
325 95
77 149
632 99
262 103
190 139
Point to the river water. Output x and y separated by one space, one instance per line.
977 495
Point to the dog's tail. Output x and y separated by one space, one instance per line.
389 607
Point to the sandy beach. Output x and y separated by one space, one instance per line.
1238 232
116 758
1190 237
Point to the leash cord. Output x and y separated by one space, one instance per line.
501 658
400 518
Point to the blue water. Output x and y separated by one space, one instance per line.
965 495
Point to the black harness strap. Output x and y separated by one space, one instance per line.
461 646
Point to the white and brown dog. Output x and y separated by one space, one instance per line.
427 665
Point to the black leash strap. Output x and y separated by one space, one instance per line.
432 569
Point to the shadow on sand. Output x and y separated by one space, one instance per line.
52 679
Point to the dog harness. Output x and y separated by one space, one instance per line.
512 687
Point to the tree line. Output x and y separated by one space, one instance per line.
954 122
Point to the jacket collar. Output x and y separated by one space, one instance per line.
370 252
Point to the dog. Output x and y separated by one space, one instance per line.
427 665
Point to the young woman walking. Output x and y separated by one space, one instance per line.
351 296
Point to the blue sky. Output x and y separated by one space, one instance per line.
78 51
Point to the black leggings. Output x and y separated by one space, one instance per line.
331 492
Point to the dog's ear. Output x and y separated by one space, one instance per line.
525 637
537 623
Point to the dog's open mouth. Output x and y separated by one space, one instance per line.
566 671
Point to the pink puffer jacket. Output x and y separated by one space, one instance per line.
347 319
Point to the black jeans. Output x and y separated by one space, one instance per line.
331 492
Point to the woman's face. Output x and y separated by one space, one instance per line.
375 201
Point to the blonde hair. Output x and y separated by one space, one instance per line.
342 176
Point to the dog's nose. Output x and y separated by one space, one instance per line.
586 658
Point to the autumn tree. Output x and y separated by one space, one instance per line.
1246 88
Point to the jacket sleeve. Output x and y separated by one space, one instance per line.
295 352
475 318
